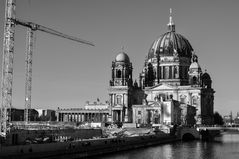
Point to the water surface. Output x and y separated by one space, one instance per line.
224 147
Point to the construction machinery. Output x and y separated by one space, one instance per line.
7 63
31 27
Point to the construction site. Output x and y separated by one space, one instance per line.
29 132
7 127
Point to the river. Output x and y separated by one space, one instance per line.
224 147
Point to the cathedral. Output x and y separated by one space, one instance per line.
172 87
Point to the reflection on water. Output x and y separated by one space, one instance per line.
226 146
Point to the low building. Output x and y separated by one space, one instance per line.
228 121
18 114
91 112
46 114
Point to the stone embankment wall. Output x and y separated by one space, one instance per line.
19 137
84 148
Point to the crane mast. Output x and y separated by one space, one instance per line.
28 69
7 64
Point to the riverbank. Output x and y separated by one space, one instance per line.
84 148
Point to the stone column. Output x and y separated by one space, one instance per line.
123 76
57 116
126 115
68 117
113 99
77 115
101 117
126 109
60 116
151 113
83 117
73 115
190 98
126 100
177 75
123 100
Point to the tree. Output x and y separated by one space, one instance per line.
218 119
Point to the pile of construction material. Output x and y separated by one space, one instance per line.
114 132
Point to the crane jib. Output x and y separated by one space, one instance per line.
35 26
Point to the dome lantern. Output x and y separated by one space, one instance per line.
171 25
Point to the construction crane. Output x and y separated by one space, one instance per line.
7 64
31 27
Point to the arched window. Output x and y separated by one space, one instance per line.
166 72
118 74
194 80
195 101
119 99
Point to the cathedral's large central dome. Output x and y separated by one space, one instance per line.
171 44
168 60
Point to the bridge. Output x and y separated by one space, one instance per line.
218 128
187 133
203 132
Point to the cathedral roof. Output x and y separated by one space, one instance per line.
122 57
170 44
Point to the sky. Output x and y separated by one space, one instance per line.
66 74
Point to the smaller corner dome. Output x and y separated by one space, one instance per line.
206 80
194 65
206 76
122 57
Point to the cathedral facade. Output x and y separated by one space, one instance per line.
172 75
172 88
